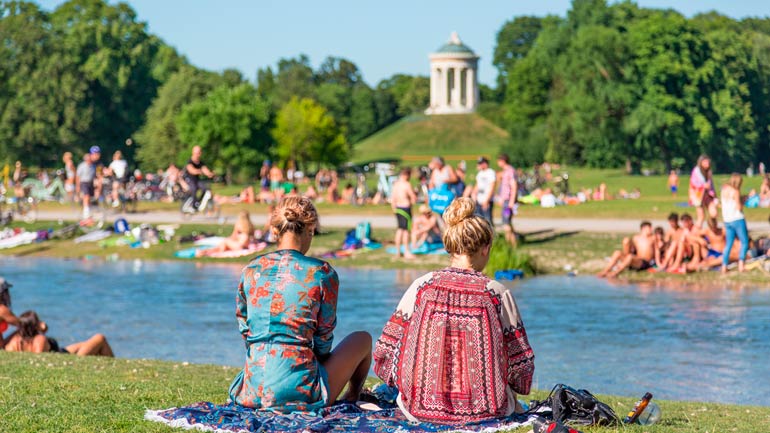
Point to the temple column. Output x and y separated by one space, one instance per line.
470 88
433 85
456 102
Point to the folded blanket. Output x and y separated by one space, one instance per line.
340 418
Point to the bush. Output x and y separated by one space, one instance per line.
503 256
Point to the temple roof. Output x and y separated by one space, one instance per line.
455 46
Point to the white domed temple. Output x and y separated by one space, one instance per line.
453 83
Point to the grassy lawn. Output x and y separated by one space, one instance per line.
63 393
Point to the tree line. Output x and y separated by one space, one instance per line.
89 73
614 85
604 86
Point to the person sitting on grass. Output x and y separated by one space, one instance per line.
241 238
6 315
684 245
286 308
638 253
708 248
30 337
456 347
661 246
425 228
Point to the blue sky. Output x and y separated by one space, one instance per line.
381 37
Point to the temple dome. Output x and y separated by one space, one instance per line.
455 46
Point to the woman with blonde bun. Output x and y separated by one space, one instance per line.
286 308
456 347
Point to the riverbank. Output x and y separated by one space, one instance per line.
53 392
551 252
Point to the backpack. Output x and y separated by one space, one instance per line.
576 406
364 232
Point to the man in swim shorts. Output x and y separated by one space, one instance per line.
637 254
402 199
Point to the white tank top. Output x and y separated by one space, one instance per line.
731 210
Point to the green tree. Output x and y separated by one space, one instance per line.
230 125
158 141
513 42
305 132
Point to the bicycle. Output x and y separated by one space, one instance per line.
19 208
207 207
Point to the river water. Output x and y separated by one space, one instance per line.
680 342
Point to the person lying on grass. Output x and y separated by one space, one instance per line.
30 337
637 253
286 308
240 239
456 347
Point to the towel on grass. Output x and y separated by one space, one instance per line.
340 418
425 248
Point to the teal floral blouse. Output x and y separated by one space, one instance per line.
287 310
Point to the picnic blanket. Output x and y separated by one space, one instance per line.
426 248
189 253
22 238
339 418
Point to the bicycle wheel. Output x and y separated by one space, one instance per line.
27 210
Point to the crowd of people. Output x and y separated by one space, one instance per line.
688 246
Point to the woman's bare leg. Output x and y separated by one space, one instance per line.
349 364
96 346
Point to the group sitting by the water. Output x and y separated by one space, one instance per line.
455 347
30 333
687 246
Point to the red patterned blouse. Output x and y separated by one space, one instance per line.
456 349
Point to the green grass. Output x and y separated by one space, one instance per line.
417 138
64 393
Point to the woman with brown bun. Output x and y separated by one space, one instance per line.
456 347
286 308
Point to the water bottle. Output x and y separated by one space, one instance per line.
541 425
644 412
650 415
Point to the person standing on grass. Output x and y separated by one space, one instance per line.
734 220
673 182
456 347
484 190
118 170
402 198
286 307
507 195
701 193
86 175
69 176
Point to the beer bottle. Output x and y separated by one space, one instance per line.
639 407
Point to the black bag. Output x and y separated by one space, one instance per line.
574 406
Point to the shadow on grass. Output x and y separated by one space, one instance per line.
553 236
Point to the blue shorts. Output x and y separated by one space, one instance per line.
674 188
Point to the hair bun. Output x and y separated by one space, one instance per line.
459 210
290 215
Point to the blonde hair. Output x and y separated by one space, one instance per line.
736 180
243 223
466 232
293 215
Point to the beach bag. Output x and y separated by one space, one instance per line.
439 199
574 406
364 231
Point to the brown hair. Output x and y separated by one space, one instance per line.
706 174
293 215
29 325
466 232
736 180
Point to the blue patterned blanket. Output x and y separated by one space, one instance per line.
342 417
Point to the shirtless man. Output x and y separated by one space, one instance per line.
402 197
709 247
684 244
425 227
640 256
671 239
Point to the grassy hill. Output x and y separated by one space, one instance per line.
419 137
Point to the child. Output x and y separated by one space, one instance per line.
673 182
